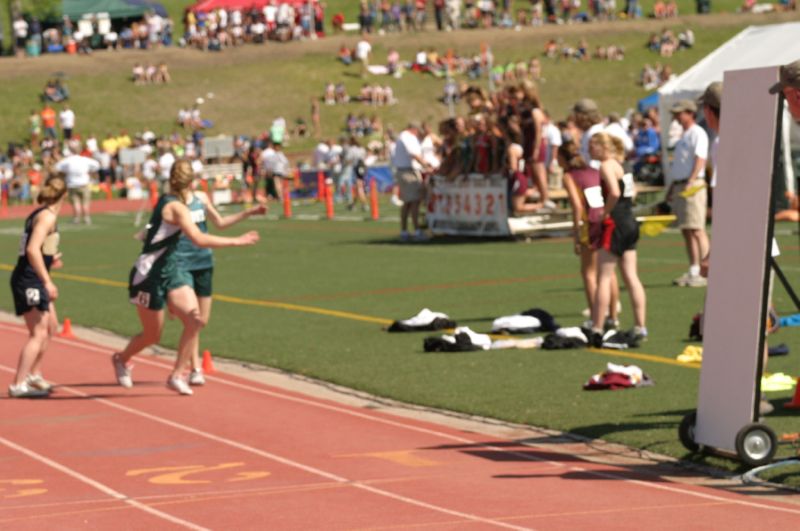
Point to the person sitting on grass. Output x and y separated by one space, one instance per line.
156 279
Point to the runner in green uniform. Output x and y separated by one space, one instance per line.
156 274
196 264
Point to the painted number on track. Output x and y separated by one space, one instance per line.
197 474
20 488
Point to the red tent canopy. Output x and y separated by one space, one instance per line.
209 5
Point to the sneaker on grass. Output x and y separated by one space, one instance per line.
23 390
122 371
179 385
396 201
696 282
405 236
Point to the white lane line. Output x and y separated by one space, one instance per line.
99 486
249 449
524 456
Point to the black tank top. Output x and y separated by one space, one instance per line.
24 272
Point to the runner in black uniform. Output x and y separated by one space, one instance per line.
33 289
620 233
155 278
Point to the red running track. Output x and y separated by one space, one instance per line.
243 455
98 206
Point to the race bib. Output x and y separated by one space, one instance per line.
33 296
594 196
142 299
630 187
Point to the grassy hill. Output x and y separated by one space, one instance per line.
253 84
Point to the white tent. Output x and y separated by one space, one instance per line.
755 46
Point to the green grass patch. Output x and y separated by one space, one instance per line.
788 475
258 84
359 267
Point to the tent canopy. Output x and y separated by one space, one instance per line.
204 6
75 9
753 47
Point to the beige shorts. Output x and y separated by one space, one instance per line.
412 188
82 194
690 211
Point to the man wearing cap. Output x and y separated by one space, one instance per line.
711 104
687 173
407 162
588 119
789 86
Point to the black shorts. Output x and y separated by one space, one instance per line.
620 234
29 296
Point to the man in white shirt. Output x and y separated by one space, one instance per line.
686 190
76 170
20 28
67 119
165 162
363 51
321 154
407 162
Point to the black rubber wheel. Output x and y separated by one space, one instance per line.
756 444
686 432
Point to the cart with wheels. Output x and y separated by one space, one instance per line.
727 417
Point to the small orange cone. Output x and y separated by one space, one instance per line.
208 363
320 185
795 403
66 330
287 199
153 194
329 201
373 199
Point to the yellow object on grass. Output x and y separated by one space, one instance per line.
654 225
691 354
777 382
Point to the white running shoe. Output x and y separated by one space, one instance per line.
23 390
35 381
196 377
396 201
122 371
180 385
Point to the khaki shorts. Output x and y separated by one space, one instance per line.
83 194
412 189
690 211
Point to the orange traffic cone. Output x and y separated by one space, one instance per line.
208 363
108 191
795 403
153 194
320 185
66 330
373 199
329 201
4 203
287 199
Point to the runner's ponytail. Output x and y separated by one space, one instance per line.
53 190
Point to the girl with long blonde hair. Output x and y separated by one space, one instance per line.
156 279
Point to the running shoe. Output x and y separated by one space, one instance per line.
420 236
23 390
396 201
196 377
696 282
35 381
122 371
640 333
405 236
180 385
548 206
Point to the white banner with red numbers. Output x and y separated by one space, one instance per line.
474 205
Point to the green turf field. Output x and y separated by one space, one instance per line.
312 296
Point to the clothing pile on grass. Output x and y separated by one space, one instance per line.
617 377
425 320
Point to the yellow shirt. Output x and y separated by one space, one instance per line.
110 145
123 142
